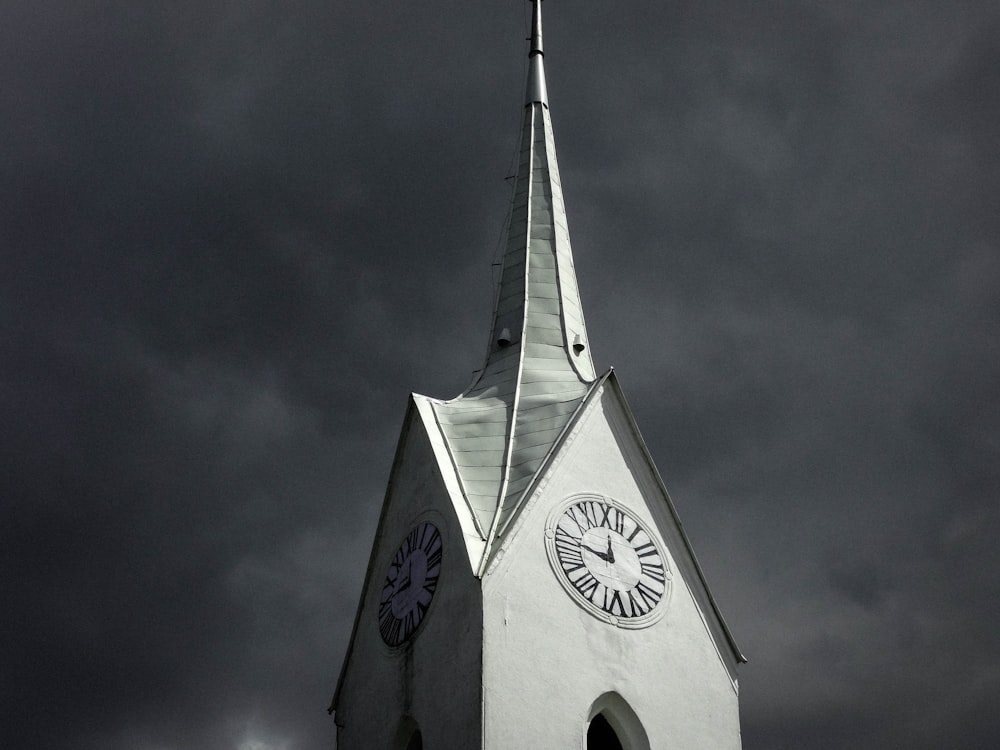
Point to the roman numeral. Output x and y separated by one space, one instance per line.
616 598
394 630
649 596
427 543
389 628
654 570
587 585
579 516
383 628
568 550
384 608
567 536
646 550
636 607
430 584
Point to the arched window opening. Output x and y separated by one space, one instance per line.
416 742
408 736
601 736
613 725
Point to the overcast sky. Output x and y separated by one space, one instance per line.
235 235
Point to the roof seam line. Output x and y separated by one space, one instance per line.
509 448
557 443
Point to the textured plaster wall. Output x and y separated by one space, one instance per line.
434 678
546 659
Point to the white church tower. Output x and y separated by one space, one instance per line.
530 585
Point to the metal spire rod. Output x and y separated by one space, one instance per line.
536 91
536 28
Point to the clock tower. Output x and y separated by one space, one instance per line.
530 584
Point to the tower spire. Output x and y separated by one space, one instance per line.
500 433
537 470
536 91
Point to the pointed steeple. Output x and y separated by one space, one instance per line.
538 367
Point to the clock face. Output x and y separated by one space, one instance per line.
608 561
409 584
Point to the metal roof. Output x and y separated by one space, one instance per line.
538 367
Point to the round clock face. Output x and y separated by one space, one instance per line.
608 560
409 584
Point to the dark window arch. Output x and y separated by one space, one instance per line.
601 736
614 725
408 735
416 741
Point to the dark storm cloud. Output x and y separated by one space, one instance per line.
234 237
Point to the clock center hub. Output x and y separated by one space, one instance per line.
611 559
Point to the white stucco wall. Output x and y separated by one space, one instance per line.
546 659
512 661
434 678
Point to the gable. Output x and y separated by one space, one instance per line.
604 454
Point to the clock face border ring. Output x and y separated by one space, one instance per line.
620 618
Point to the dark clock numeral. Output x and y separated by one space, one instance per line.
649 596
568 550
569 554
430 584
616 598
646 550
384 609
637 609
579 516
654 571
389 629
587 585
573 567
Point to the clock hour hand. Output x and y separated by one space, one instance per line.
604 556
406 581
611 553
